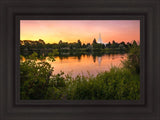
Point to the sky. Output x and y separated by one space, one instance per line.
52 31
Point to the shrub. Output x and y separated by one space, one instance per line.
34 79
117 84
133 60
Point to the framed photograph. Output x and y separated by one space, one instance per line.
63 67
79 60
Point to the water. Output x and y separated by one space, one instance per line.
86 64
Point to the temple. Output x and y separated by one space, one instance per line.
99 39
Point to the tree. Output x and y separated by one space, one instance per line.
108 45
122 43
133 61
128 44
79 44
134 43
94 41
88 44
41 41
113 42
60 42
113 45
103 46
84 46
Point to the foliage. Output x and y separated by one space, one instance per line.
33 56
52 54
117 84
28 47
133 61
34 79
37 81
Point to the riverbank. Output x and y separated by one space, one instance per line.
117 84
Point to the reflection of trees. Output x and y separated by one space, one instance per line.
94 58
79 57
88 55
67 57
63 57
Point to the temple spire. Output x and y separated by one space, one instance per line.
100 35
99 39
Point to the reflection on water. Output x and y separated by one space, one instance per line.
99 60
85 64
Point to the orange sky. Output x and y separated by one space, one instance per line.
51 31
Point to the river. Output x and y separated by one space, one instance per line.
86 64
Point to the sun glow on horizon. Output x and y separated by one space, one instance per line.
52 31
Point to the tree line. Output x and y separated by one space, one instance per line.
27 47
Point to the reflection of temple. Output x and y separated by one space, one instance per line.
99 60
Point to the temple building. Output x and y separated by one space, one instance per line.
100 39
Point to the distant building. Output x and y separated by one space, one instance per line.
100 39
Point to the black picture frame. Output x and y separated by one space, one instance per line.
12 108
18 101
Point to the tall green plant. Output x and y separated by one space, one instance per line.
133 59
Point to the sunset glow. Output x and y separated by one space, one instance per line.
52 31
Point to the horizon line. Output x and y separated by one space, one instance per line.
131 41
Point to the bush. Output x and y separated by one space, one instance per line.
34 79
133 60
117 84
